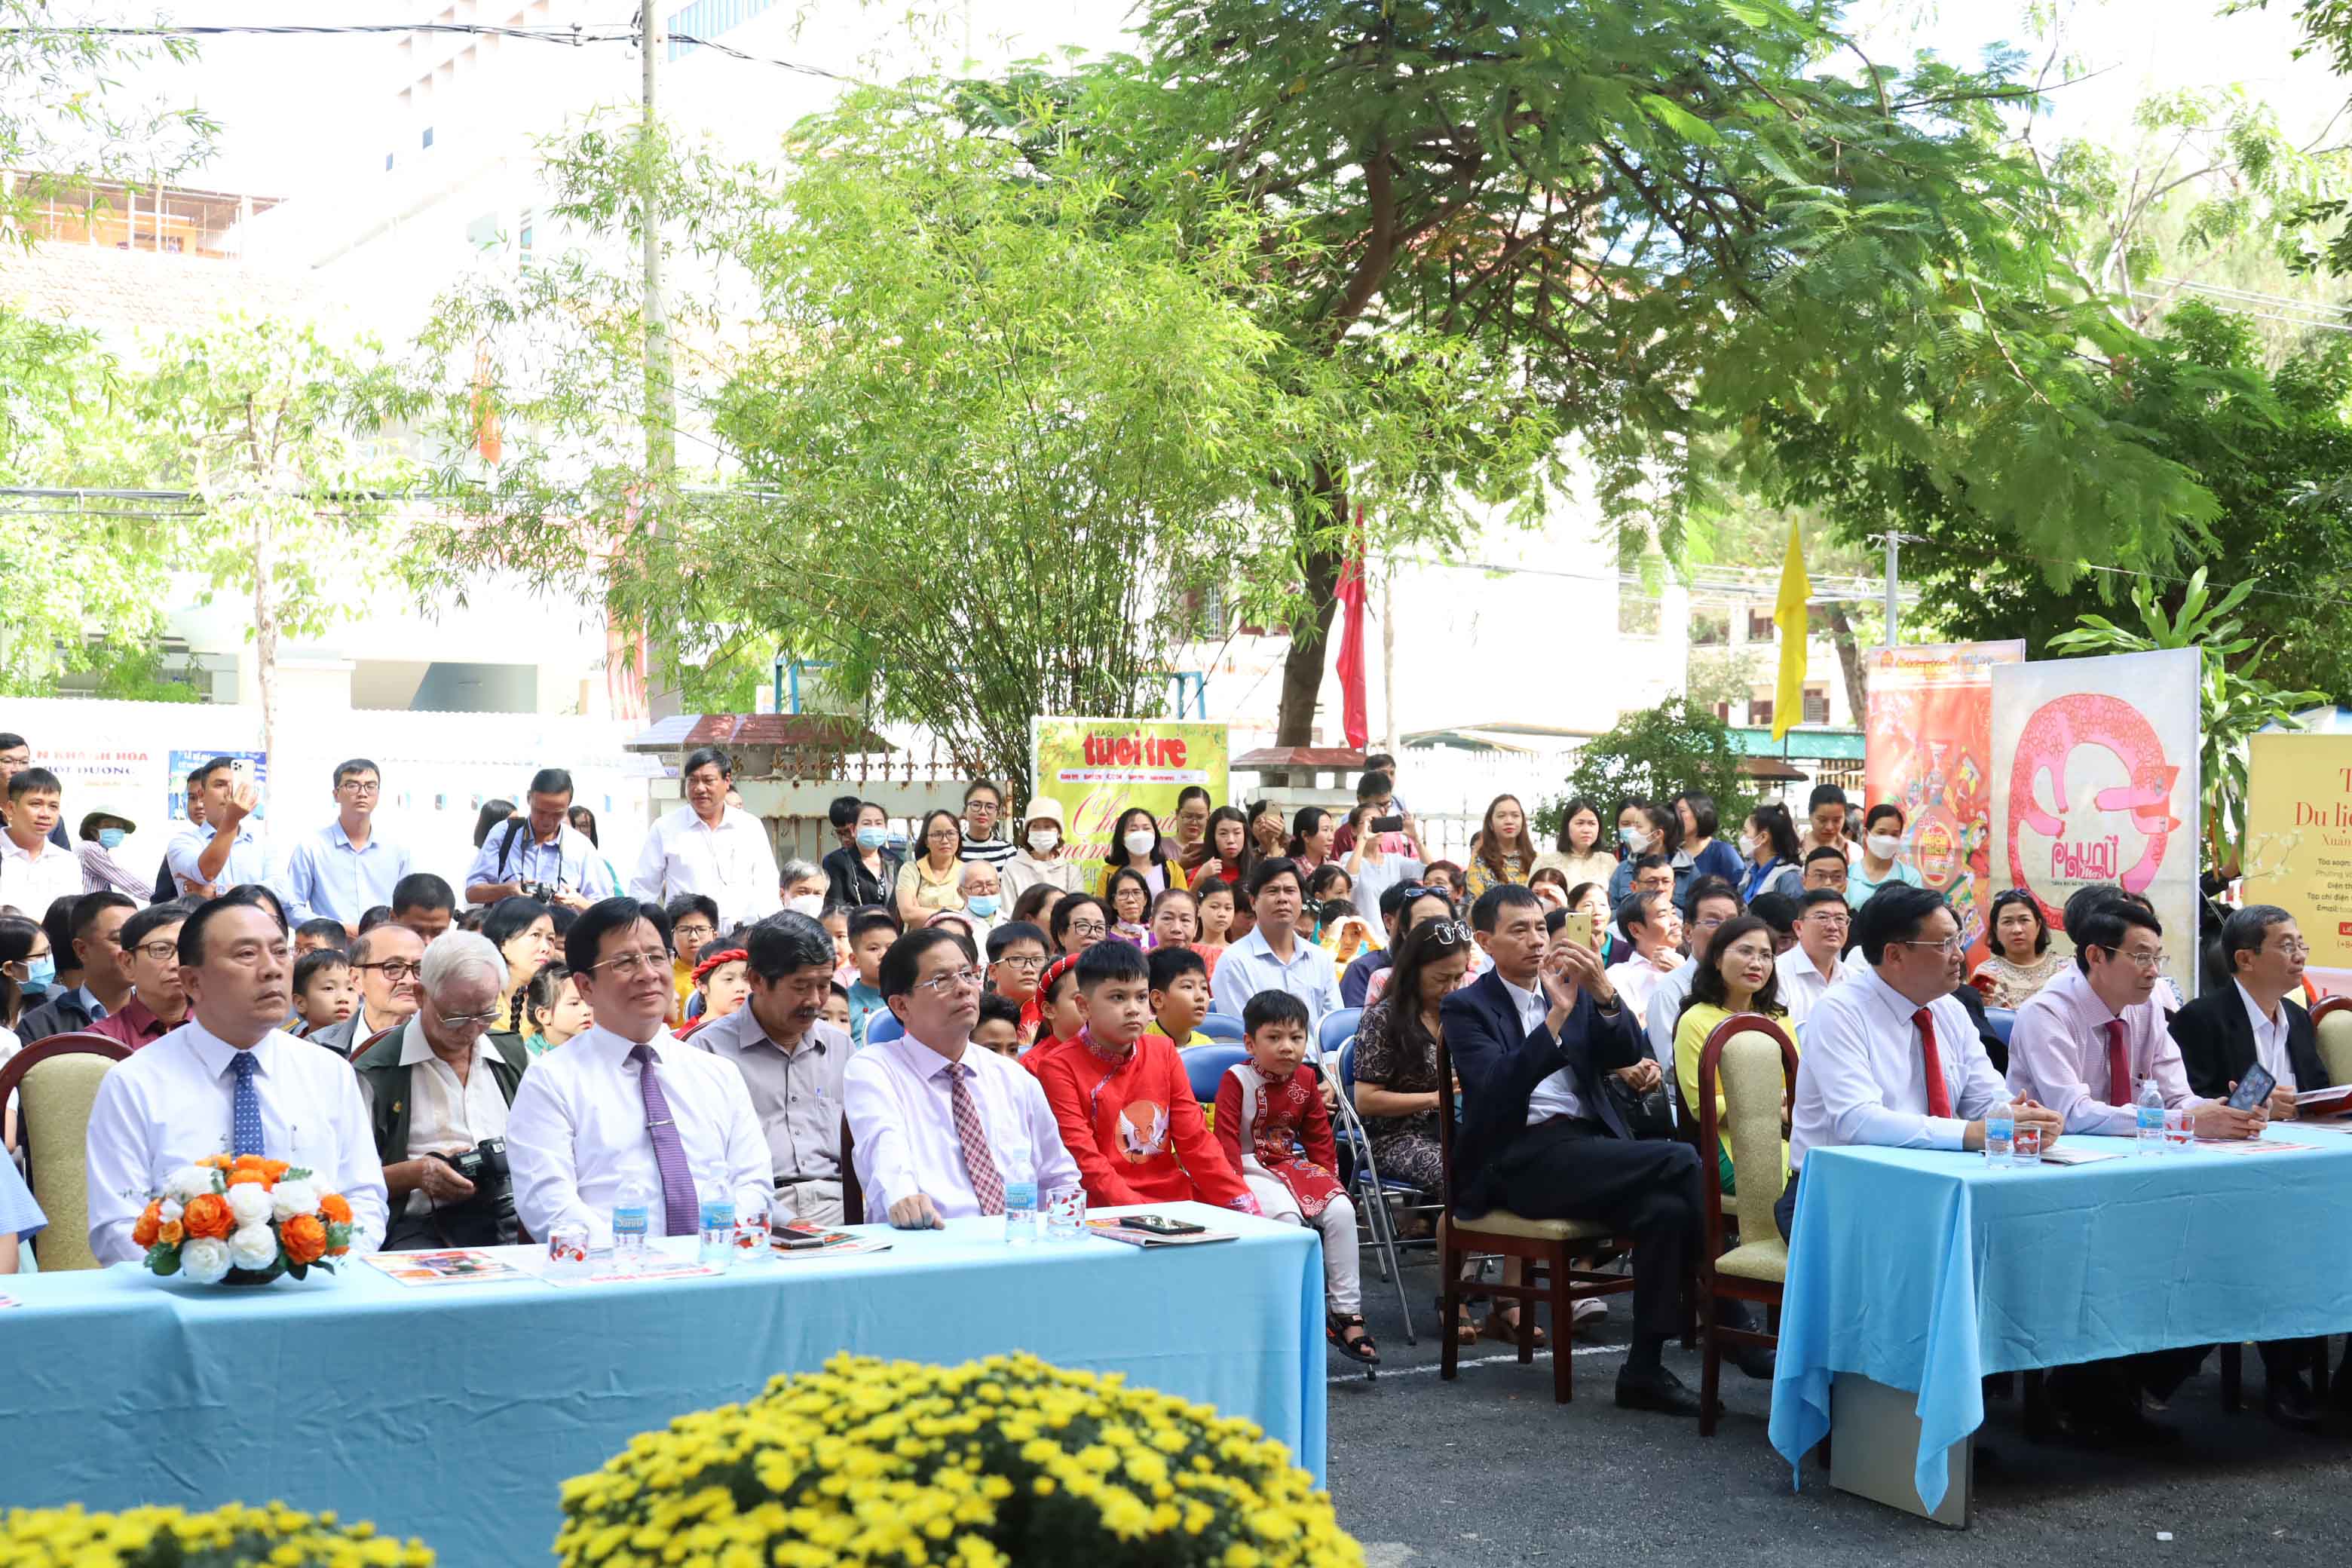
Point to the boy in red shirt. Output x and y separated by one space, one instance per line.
1124 1103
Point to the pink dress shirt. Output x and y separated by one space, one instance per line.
2058 1054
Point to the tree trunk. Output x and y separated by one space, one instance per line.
1302 668
1850 661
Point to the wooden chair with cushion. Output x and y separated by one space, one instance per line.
56 1084
1749 1064
1548 1250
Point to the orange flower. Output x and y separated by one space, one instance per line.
150 1224
247 1163
248 1177
171 1233
208 1215
275 1169
332 1205
303 1237
215 1161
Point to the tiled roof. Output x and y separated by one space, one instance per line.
118 292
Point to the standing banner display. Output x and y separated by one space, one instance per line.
2299 843
1928 738
2094 779
1098 767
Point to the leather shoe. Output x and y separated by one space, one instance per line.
2287 1400
1660 1391
1755 1360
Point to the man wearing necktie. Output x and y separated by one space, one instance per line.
2082 1045
938 1129
1890 1056
627 1105
228 1081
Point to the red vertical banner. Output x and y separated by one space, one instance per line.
1354 718
1928 741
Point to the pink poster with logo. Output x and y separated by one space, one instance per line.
2095 780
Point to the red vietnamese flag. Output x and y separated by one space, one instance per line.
1353 719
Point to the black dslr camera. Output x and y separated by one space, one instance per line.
486 1218
544 891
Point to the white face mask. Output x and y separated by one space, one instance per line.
1140 842
1635 840
1746 846
1885 845
1043 840
809 904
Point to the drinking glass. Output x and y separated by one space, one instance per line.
2179 1131
567 1247
1065 1214
752 1232
2025 1146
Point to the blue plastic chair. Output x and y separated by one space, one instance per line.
1223 1027
1205 1067
1338 1027
2002 1020
881 1026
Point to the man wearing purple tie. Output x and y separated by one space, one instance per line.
627 1106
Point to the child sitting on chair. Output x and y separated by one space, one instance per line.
1271 1118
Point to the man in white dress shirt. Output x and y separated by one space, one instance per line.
1647 918
626 1104
1275 955
939 1128
1891 1057
346 869
710 847
222 851
1712 902
1807 971
34 872
229 1081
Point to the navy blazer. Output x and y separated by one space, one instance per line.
1500 1063
2217 1043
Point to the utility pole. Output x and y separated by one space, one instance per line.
662 699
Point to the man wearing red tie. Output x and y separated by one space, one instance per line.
2082 1045
1891 1056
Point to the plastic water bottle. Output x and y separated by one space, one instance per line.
632 1216
2000 1135
1021 1213
717 1243
2150 1104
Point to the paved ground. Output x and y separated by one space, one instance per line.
1488 1470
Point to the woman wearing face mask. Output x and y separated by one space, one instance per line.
102 833
1041 854
863 871
1136 845
803 886
1652 830
1768 842
24 964
1578 855
1876 866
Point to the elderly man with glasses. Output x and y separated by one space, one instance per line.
939 1129
386 959
626 1107
438 1088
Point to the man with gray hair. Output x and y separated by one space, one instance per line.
984 899
437 1090
385 958
803 884
791 1061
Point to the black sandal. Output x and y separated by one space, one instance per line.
1360 1349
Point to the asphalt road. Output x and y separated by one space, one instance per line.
1489 1470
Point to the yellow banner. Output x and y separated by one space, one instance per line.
1098 767
2299 843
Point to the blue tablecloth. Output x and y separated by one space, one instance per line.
1926 1270
455 1413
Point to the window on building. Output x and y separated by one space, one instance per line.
1759 712
1723 712
1710 628
1636 617
1816 705
428 136
1759 625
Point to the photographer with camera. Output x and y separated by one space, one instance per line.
541 854
437 1093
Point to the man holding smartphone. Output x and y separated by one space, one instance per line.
221 850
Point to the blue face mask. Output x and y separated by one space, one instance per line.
873 837
110 837
983 904
41 971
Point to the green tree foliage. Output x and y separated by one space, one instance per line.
1658 221
2234 705
2271 449
1678 747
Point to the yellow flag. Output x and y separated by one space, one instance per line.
1788 617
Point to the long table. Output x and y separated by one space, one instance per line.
455 1413
1922 1271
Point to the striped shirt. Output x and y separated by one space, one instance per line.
992 852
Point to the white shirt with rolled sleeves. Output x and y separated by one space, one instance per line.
571 862
248 860
1249 967
576 1136
32 883
171 1102
330 877
2058 1054
1863 1077
903 1135
733 864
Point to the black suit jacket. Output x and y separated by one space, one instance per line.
1499 1063
2217 1043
